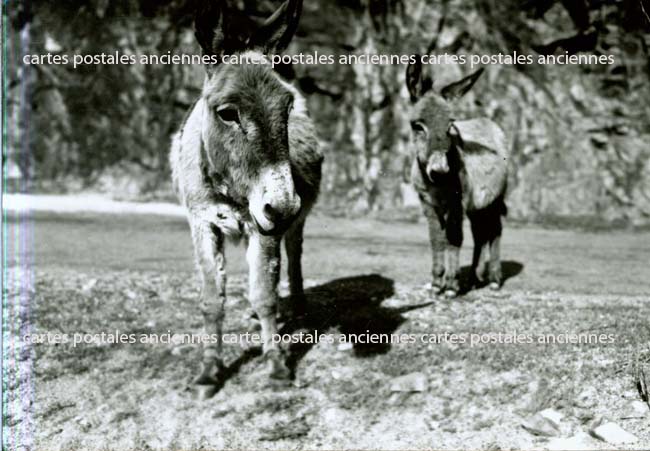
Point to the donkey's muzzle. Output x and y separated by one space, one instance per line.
274 202
279 215
437 166
281 218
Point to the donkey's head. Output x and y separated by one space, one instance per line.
247 113
431 118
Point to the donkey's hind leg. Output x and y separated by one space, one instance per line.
293 245
494 229
495 275
486 229
481 248
210 259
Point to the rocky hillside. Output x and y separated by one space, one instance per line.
579 134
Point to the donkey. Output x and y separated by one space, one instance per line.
246 165
459 166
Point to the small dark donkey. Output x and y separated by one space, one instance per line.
458 166
246 164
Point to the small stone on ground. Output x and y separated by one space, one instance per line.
613 434
413 382
538 425
635 409
579 442
553 416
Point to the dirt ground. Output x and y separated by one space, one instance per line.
93 273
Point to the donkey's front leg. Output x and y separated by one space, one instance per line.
263 257
438 245
454 235
293 245
452 285
211 261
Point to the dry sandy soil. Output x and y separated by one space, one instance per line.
93 273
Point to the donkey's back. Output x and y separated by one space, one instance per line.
484 153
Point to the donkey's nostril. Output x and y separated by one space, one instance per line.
437 170
271 213
434 174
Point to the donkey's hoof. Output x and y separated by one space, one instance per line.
451 294
204 391
436 289
495 286
277 369
204 386
207 383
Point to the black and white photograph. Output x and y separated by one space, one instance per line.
325 225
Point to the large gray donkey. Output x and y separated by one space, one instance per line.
246 163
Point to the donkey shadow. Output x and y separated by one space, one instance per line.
509 269
351 306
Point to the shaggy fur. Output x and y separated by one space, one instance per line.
458 167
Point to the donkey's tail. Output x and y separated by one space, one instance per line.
503 208
499 205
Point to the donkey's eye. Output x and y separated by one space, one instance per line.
418 127
228 113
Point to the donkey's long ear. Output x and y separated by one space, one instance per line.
417 83
209 27
459 89
276 33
